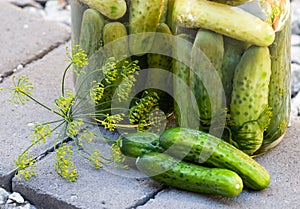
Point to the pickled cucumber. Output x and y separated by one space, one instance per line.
144 17
116 32
91 31
185 111
113 9
249 104
279 88
159 60
207 55
231 2
233 50
163 83
230 21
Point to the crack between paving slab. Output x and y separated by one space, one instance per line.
38 158
145 200
40 55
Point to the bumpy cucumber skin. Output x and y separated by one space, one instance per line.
163 62
164 13
170 15
91 31
158 60
113 9
251 85
249 101
139 143
113 31
143 17
231 2
219 18
189 176
233 50
279 88
185 114
211 44
199 147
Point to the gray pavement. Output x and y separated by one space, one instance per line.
40 47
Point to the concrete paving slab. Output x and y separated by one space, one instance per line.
105 188
45 74
25 37
118 188
284 190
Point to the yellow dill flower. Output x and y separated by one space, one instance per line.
74 127
64 103
64 165
111 121
78 58
20 90
95 159
25 166
40 133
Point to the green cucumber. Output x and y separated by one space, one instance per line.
207 54
185 113
158 60
139 143
144 17
77 10
249 102
231 2
116 46
113 9
116 32
91 31
191 177
170 15
200 147
162 62
164 12
233 50
90 41
279 88
224 19
212 45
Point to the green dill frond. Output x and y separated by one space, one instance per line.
95 159
20 90
40 133
74 127
97 92
111 121
117 157
140 113
64 103
86 135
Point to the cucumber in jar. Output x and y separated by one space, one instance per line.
249 108
144 17
113 9
207 57
224 19
279 88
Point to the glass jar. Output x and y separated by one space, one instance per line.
220 66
